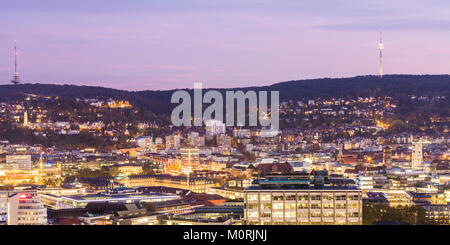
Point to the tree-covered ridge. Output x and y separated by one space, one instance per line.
158 102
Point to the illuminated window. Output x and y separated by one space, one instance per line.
327 197
290 206
278 214
277 206
289 214
328 206
315 198
302 206
265 197
341 197
266 206
340 206
252 197
252 206
353 206
303 198
354 197
303 214
278 197
315 206
290 198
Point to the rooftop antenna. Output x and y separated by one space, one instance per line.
16 79
381 47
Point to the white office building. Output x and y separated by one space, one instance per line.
26 208
417 155
19 162
213 128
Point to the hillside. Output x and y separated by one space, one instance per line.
158 102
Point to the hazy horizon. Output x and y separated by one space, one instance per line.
163 45
217 87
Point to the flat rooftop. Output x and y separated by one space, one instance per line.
306 188
119 197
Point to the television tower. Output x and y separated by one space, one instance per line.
16 79
381 47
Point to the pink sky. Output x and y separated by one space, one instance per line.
174 43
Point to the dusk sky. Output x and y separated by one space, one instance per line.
147 44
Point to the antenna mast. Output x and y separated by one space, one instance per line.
381 47
16 79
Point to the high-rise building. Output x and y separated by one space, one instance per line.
25 119
242 133
3 206
303 206
189 159
173 142
387 157
365 182
213 128
19 162
301 199
26 208
144 142
194 139
225 144
417 155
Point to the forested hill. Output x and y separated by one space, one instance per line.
391 85
159 101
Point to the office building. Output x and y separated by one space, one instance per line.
387 157
417 155
301 200
213 128
172 142
19 162
26 208
189 160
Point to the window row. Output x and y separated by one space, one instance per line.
281 197
290 206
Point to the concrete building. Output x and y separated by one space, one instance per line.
19 162
225 144
213 128
190 159
198 185
339 206
387 157
438 214
305 199
417 154
81 201
26 208
172 142
144 142
127 169
3 206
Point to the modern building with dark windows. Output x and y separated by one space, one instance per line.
302 199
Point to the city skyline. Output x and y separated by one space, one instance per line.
193 115
223 45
